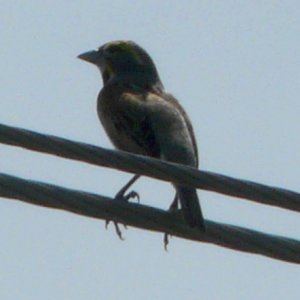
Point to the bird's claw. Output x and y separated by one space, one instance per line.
121 196
118 230
173 209
166 241
131 195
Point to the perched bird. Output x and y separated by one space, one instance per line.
140 117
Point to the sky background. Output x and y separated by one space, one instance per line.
234 66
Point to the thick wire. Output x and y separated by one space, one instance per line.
145 217
150 167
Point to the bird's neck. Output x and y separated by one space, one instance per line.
135 81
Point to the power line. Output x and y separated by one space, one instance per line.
155 168
146 217
142 216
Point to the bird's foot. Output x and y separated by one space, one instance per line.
173 209
120 196
117 227
123 197
166 241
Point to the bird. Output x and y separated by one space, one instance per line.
140 117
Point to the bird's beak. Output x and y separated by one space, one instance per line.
90 56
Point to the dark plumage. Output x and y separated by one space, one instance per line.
140 117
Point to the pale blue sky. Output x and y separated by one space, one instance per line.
234 65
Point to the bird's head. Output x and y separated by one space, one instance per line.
123 59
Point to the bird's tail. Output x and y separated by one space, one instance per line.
190 206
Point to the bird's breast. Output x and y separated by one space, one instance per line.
119 131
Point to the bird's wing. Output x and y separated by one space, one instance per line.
135 132
162 119
188 122
153 120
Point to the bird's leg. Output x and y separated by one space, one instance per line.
172 209
120 196
133 194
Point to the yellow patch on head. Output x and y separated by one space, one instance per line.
109 69
125 46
